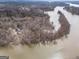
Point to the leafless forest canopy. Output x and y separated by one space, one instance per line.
29 25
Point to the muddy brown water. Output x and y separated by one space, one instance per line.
68 48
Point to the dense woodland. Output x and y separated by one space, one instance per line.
29 25
73 10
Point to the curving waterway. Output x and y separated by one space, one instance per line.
65 49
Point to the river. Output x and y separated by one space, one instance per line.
64 49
